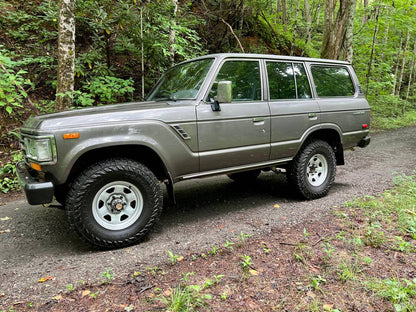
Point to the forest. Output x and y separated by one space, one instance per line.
122 47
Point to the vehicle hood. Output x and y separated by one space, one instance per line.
88 117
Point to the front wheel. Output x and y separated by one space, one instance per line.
312 172
114 203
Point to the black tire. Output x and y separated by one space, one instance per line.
114 203
313 170
244 177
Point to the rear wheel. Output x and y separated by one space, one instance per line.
114 203
312 172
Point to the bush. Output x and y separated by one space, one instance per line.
105 90
12 83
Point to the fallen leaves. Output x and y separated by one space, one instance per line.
4 231
254 272
45 279
276 206
58 297
85 293
5 219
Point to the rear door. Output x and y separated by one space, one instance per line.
292 107
239 134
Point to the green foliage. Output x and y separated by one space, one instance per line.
397 292
246 263
229 245
12 83
8 178
105 90
185 298
398 205
108 276
243 236
349 270
173 258
316 282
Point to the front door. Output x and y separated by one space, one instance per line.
239 134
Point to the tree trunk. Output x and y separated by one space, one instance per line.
396 68
284 14
399 85
295 27
385 38
142 50
172 33
348 47
328 36
370 63
308 20
412 68
337 30
66 55
365 17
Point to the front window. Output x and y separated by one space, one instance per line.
245 79
181 82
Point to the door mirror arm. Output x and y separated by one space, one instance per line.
215 106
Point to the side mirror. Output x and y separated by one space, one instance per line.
224 95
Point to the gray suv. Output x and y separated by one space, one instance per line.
234 114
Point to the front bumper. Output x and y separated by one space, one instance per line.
36 192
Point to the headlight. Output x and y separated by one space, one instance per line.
40 149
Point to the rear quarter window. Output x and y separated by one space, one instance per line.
332 81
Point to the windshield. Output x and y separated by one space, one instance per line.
181 82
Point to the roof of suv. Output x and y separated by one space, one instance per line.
271 57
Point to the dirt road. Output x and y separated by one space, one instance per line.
36 242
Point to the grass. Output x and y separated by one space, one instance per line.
381 122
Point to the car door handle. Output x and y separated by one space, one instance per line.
313 116
258 120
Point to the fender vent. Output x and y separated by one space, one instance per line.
181 132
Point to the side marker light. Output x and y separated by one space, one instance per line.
68 136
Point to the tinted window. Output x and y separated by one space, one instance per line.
332 81
287 81
302 82
182 81
281 80
245 78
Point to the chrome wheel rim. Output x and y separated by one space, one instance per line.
117 205
317 170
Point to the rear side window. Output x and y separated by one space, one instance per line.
332 81
287 80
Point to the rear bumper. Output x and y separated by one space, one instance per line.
364 142
36 192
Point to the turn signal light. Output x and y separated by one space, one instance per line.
36 166
74 135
